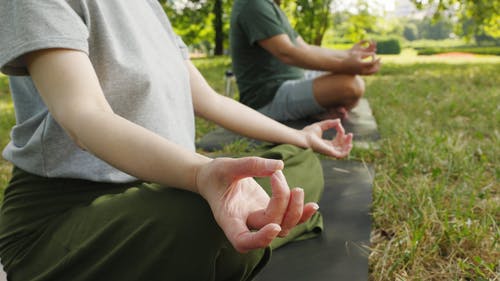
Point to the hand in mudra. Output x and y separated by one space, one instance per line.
247 215
340 146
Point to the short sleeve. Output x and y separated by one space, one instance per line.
182 47
30 25
260 20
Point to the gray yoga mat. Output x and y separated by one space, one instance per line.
341 252
360 122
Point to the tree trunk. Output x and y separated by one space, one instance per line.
218 27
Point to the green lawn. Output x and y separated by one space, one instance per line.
436 201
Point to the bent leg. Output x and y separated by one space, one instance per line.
335 91
143 233
317 95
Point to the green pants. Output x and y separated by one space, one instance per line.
69 229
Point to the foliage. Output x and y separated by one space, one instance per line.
7 121
425 43
311 18
353 26
435 29
202 24
473 50
361 23
192 22
410 32
388 46
476 17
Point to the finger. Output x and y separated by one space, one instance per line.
246 240
340 131
294 211
372 45
326 148
369 64
279 198
309 210
328 124
277 205
343 147
371 67
254 167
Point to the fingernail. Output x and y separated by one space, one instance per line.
284 233
279 174
315 206
273 165
276 227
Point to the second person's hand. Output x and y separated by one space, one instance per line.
339 146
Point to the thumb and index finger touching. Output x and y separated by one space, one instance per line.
254 167
284 211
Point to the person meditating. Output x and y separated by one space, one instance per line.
107 184
269 58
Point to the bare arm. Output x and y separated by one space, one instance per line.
236 116
248 122
70 88
324 52
299 55
317 58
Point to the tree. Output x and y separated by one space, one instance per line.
202 24
361 23
218 27
191 20
410 32
435 29
313 19
310 18
476 17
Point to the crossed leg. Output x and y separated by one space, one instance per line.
337 94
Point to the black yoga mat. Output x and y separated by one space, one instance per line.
341 252
360 122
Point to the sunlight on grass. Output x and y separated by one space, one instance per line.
7 120
409 56
436 189
436 195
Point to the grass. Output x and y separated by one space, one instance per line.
436 194
436 204
7 120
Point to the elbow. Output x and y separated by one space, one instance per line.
286 59
77 124
72 129
286 55
291 56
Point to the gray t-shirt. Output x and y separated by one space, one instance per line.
141 67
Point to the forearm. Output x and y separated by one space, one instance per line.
69 87
237 117
253 124
309 58
136 150
302 54
340 54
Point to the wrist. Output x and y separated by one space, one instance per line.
198 172
303 139
338 65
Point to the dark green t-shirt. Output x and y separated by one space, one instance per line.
258 73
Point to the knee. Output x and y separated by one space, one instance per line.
357 87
